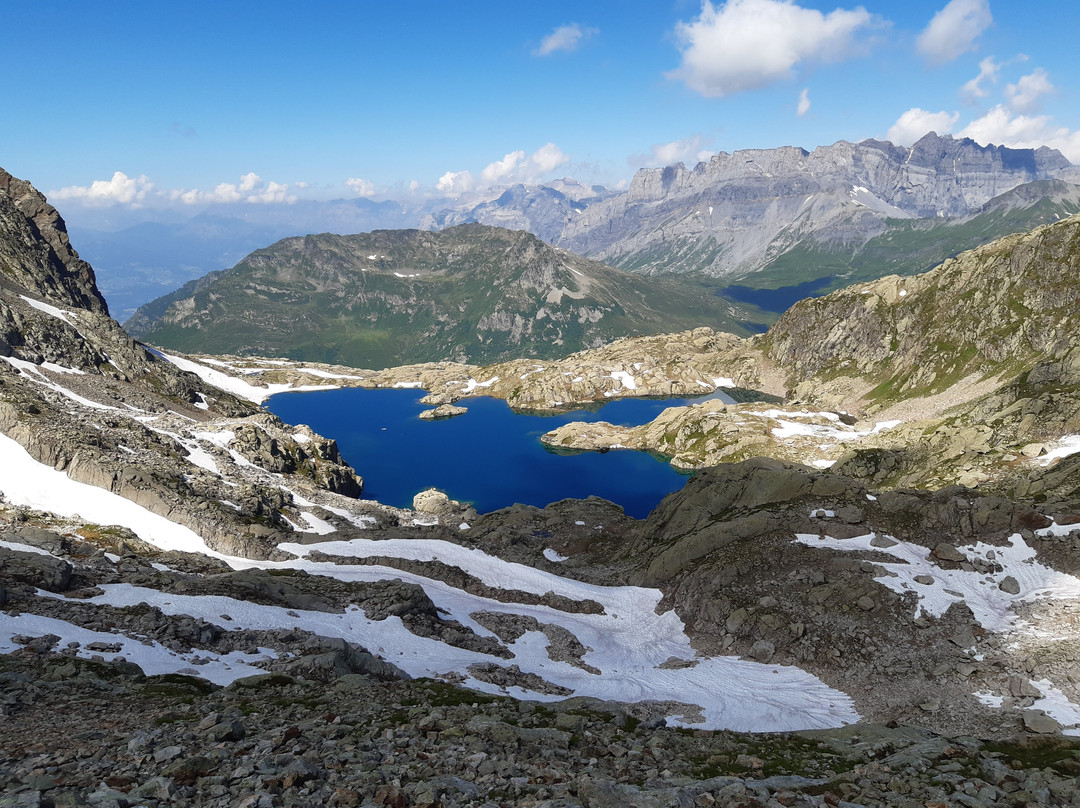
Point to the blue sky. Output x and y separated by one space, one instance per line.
270 102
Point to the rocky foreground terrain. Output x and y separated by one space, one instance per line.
197 610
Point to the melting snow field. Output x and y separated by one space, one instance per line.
938 588
627 642
991 605
152 657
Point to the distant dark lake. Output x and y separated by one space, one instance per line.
776 300
490 456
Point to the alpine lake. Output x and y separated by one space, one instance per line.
491 456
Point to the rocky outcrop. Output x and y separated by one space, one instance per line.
36 253
443 411
688 363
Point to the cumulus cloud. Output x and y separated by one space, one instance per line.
1002 127
120 190
954 30
547 158
804 102
988 72
564 38
517 167
747 44
1026 95
136 191
453 183
362 187
500 170
916 122
688 150
251 189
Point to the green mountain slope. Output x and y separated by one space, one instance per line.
911 246
469 293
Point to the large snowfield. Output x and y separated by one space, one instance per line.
627 642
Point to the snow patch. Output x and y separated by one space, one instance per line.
989 699
152 657
1058 706
1068 445
473 384
47 308
322 374
239 387
980 591
30 484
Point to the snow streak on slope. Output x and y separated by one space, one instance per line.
152 657
238 387
30 484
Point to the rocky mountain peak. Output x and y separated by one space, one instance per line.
35 251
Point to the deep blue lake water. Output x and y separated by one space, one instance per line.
777 300
490 456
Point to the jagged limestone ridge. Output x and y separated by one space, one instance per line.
739 212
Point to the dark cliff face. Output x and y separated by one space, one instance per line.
35 252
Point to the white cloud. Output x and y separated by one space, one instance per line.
547 158
516 167
954 30
362 187
916 122
688 150
120 190
747 44
1001 127
564 38
804 102
455 182
251 189
1026 95
988 71
501 170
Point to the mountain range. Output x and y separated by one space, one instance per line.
778 217
819 635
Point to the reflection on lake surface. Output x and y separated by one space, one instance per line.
490 456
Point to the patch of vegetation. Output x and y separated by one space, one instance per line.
176 687
442 694
1057 753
